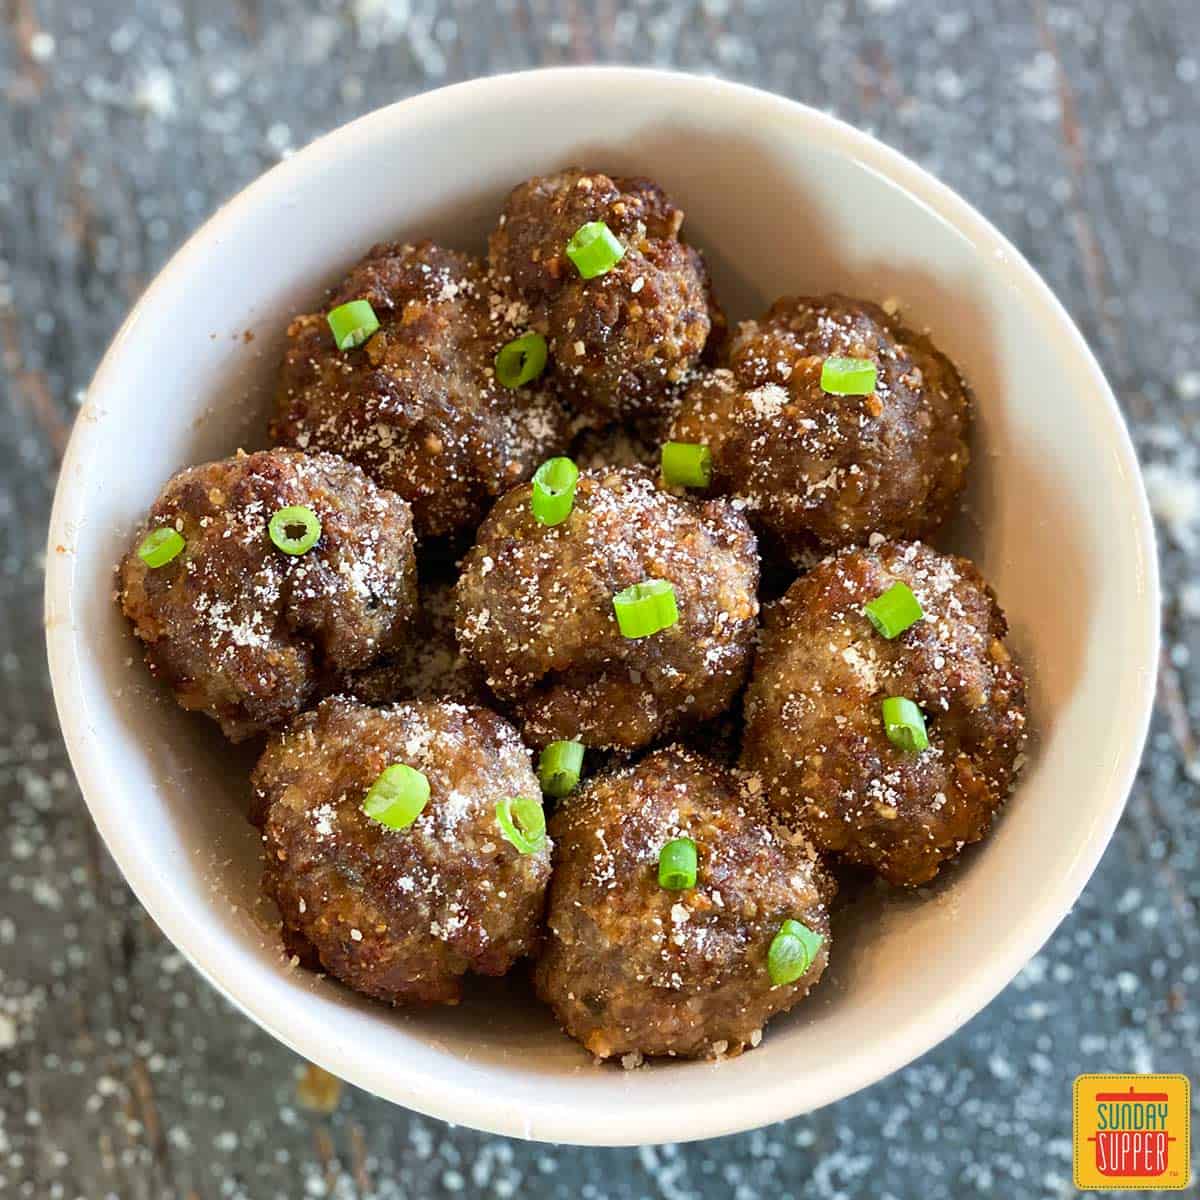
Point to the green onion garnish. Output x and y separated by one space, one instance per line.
904 724
677 865
523 823
160 546
594 249
687 464
295 529
559 767
894 611
646 608
792 952
522 360
398 797
554 491
353 323
848 376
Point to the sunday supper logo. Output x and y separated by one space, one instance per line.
1132 1132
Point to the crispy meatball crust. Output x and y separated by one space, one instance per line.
400 914
814 730
817 471
632 969
624 341
535 610
418 406
246 633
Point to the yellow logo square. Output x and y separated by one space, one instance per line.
1132 1133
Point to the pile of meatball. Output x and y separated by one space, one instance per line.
512 715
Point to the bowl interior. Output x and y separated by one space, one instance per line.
783 200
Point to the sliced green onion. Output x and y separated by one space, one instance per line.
352 323
848 376
904 724
894 611
677 865
398 797
687 464
646 608
160 546
523 823
554 491
559 767
295 529
793 950
522 360
594 249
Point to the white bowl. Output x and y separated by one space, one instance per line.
783 199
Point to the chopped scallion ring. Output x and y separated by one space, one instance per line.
904 724
793 950
594 249
160 546
398 797
554 491
894 611
352 323
522 822
848 376
295 529
559 767
522 360
677 865
686 464
645 608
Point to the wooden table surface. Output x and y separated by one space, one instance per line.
1072 125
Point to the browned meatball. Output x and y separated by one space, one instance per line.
822 471
632 969
246 633
814 728
418 406
535 610
624 340
400 914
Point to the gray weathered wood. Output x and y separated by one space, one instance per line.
1073 125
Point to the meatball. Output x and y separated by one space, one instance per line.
535 610
814 728
418 406
819 471
624 340
246 633
633 969
400 914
